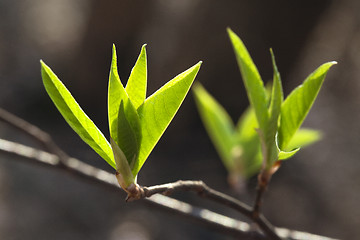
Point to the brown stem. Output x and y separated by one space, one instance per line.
263 180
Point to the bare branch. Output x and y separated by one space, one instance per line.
205 191
34 132
217 221
83 170
60 160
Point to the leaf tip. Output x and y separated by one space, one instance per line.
113 51
228 29
42 63
272 53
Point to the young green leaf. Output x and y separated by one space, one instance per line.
252 80
159 109
116 95
125 177
276 98
297 105
304 137
217 123
283 155
274 112
75 116
136 85
127 139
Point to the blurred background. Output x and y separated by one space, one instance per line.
317 191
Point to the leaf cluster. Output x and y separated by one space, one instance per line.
136 123
269 130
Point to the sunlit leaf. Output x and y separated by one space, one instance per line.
127 139
254 85
75 116
116 95
298 104
274 112
159 109
136 85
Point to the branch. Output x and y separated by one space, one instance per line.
217 221
60 160
203 190
80 169
33 132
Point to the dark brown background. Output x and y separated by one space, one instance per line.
316 191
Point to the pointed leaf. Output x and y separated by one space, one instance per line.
159 109
297 105
75 116
116 95
274 112
218 124
136 85
254 85
276 96
304 137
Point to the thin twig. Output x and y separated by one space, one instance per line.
34 132
205 191
261 188
263 181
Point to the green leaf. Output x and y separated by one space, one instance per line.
75 116
136 85
283 155
127 138
247 125
122 166
304 137
249 140
218 124
116 95
298 104
276 97
159 109
274 112
254 85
